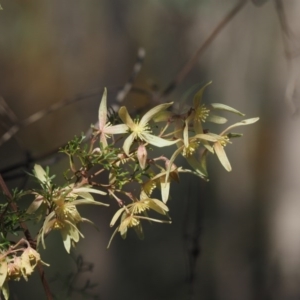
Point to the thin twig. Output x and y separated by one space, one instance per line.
292 51
194 59
28 237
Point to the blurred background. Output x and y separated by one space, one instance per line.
235 237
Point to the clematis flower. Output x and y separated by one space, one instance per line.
130 216
29 260
105 128
65 217
70 192
141 130
159 180
202 113
221 143
188 146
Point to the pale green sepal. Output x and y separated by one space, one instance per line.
199 94
219 149
216 119
66 240
116 216
127 143
226 108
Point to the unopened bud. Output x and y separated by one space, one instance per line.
142 156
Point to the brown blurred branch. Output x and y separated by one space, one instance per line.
194 59
292 51
28 237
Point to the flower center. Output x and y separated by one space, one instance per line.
190 149
139 207
201 113
225 141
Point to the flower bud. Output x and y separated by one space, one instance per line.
142 156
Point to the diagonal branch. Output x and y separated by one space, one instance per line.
193 60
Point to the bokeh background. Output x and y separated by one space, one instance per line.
245 224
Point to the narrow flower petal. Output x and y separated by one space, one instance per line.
40 173
206 137
197 166
3 271
102 113
158 206
116 129
165 189
172 159
125 117
157 141
186 133
226 108
128 142
113 235
199 94
79 202
242 123
152 112
216 119
103 139
116 216
87 190
219 149
66 240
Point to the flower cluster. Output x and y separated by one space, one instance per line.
60 205
17 262
186 130
119 160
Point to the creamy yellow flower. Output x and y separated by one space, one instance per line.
140 130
